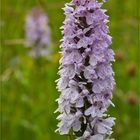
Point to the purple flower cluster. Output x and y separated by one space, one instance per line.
86 76
37 32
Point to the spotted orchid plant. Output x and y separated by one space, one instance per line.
37 33
86 76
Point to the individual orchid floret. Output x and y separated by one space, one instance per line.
37 33
86 77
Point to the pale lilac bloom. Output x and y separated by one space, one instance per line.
86 76
87 136
37 33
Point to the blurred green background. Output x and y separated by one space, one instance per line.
28 90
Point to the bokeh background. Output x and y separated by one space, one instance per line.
28 90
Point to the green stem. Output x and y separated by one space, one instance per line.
42 4
71 136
